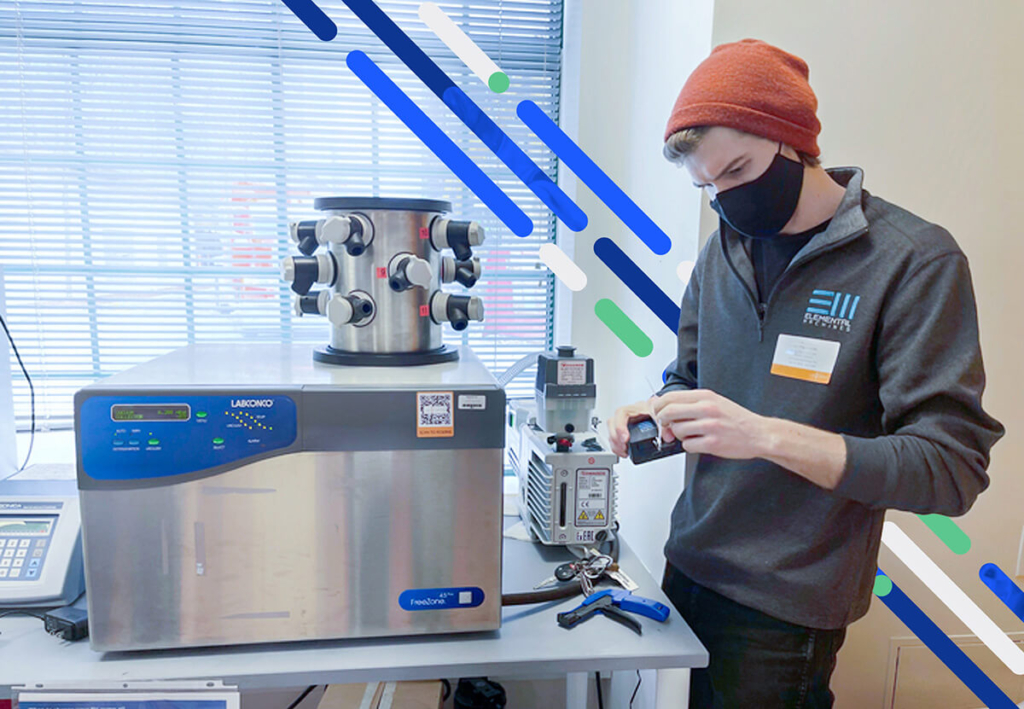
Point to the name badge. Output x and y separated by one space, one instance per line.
806 358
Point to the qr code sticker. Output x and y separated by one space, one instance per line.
435 409
434 414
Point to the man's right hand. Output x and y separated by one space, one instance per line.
618 425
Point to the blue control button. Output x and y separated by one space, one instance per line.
32 573
33 563
133 443
118 442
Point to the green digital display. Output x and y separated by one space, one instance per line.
150 412
25 526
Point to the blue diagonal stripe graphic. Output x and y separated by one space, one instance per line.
594 177
846 302
440 144
853 306
945 649
314 18
469 113
1004 587
638 282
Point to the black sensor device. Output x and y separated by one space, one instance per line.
643 443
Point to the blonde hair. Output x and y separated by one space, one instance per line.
683 142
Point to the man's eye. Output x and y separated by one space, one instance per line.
736 170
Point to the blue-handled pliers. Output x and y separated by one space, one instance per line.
609 602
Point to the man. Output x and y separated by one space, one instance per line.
828 369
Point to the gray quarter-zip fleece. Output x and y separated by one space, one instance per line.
905 393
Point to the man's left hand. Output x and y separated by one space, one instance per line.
707 422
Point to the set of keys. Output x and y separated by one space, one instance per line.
587 572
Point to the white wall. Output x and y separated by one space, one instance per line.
928 97
633 59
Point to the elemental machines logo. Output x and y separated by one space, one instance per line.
831 309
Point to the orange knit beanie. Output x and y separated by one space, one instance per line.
755 88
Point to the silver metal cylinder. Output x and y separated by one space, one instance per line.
401 322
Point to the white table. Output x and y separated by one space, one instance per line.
529 644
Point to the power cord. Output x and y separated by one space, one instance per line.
298 700
31 393
4 614
600 694
639 679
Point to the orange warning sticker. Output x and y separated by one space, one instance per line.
424 232
583 517
599 515
424 311
382 273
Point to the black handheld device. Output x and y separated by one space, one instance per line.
643 443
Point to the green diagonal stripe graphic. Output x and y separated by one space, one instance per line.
625 329
949 532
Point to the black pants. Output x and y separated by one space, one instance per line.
757 661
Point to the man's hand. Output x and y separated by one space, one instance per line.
618 425
707 422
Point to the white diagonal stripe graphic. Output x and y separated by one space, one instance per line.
563 267
457 40
956 600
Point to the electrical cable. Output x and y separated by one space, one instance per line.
21 612
31 393
532 597
600 695
302 696
639 679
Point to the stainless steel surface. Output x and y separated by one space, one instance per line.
221 366
316 542
304 546
397 325
529 644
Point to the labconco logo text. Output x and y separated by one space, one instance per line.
252 403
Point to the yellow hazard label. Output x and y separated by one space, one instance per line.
599 515
583 516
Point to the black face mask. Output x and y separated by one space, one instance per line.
761 207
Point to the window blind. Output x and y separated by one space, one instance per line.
152 154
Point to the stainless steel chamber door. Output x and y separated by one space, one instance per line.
308 545
398 324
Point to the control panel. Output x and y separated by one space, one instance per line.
40 550
137 437
24 541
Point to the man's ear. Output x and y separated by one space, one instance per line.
790 152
